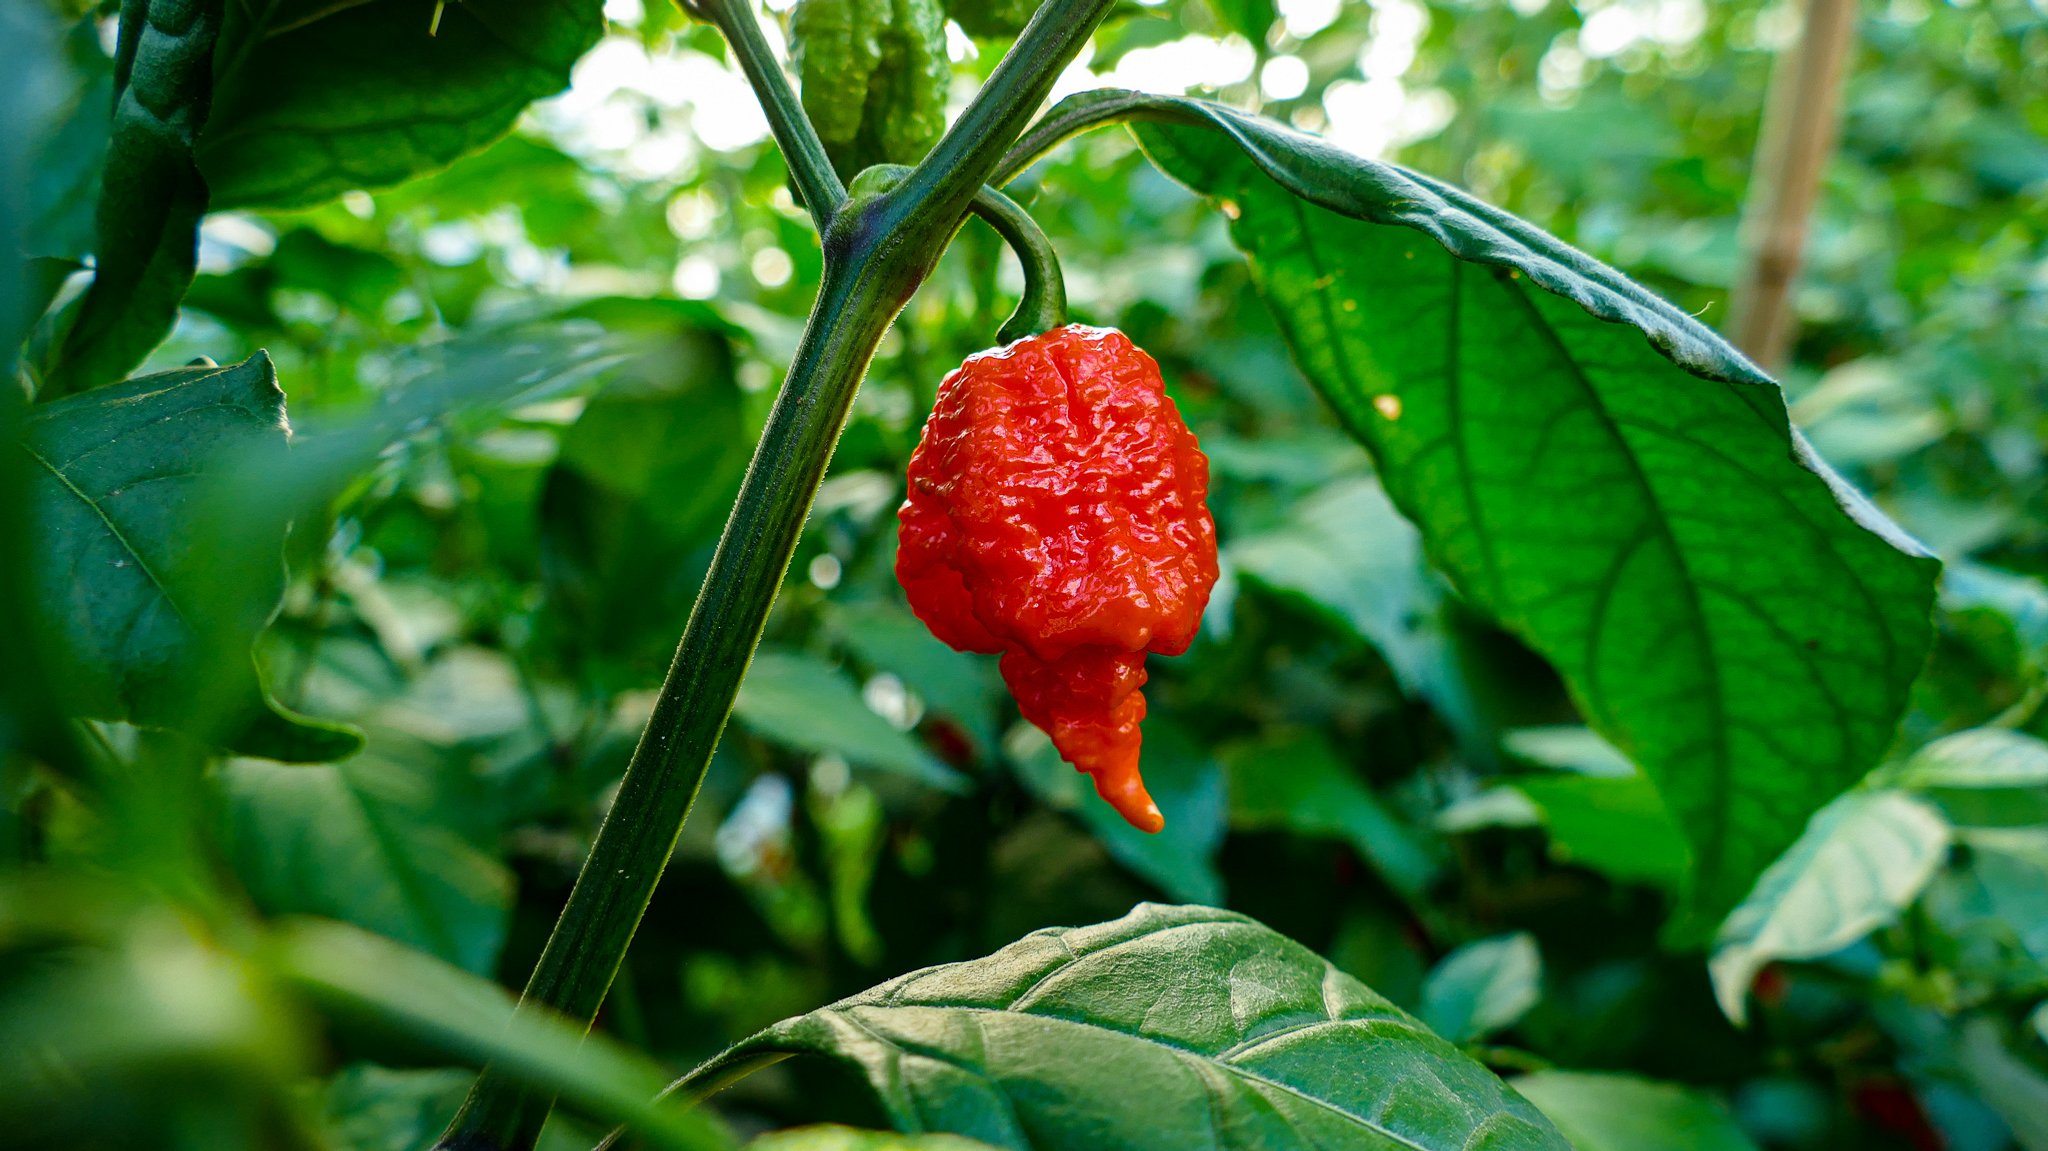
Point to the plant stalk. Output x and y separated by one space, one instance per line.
816 180
1043 306
878 248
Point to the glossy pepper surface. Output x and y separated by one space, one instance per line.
1058 514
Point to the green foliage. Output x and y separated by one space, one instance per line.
1577 486
1866 856
317 99
1483 987
151 193
1623 1113
527 372
139 626
1050 1040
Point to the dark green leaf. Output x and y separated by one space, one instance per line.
317 98
1623 1113
63 188
1483 987
1171 1028
1866 856
1595 469
1294 780
1347 549
1600 812
124 502
151 193
372 1108
1185 782
802 701
362 842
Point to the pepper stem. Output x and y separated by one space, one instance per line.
1043 305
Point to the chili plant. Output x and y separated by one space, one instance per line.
1553 478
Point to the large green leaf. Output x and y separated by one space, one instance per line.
151 193
362 842
1623 1113
1595 469
316 98
150 614
1866 856
1173 1027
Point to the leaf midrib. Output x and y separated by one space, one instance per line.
113 529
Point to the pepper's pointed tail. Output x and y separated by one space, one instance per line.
1124 789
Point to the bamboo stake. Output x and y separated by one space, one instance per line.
1798 137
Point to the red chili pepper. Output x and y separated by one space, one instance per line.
1058 514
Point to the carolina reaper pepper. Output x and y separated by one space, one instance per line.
1057 514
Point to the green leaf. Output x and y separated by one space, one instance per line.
2002 891
1617 827
124 500
1606 815
372 1108
832 1137
362 842
356 975
1347 549
1173 1027
801 701
632 507
1984 757
151 193
1183 779
317 98
1483 987
1295 780
961 686
1865 856
1623 1113
62 188
1595 469
1253 18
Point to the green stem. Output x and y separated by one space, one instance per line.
878 248
1082 112
1043 306
816 181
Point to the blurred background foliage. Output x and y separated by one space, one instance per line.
1347 753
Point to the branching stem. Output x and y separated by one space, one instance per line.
878 246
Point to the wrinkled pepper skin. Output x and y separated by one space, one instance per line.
1058 514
